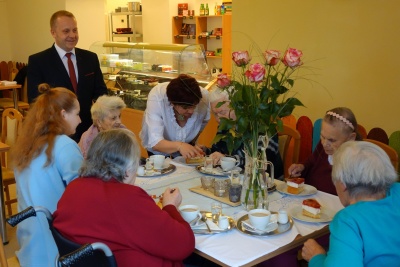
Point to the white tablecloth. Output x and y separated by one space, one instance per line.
235 248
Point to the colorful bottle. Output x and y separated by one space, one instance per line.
216 9
202 10
222 9
207 10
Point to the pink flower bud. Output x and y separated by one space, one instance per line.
272 57
223 80
255 73
292 58
241 58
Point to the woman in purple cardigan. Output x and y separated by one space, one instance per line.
338 126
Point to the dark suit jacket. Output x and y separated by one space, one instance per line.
47 67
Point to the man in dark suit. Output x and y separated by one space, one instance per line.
51 66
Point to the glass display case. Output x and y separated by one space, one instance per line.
131 70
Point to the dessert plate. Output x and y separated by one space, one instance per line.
326 215
308 190
216 171
282 228
167 169
182 160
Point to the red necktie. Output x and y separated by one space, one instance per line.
71 69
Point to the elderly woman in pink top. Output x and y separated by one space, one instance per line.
106 115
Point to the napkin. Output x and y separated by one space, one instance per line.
272 226
201 225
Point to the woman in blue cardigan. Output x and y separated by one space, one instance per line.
366 232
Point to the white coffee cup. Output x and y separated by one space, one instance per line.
259 218
189 212
140 171
223 222
228 163
158 161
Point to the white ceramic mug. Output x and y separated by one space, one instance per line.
259 218
158 161
189 212
228 163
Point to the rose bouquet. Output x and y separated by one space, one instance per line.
259 96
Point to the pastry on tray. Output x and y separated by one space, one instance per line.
295 185
311 208
195 160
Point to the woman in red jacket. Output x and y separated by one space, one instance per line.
104 205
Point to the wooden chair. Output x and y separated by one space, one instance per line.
132 119
11 126
305 127
289 156
394 158
378 134
4 262
209 132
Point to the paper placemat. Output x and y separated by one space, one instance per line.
206 193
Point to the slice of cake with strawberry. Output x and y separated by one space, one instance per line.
295 185
311 208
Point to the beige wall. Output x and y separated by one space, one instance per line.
351 46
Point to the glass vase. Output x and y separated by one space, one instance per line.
255 184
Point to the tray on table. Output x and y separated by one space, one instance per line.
210 194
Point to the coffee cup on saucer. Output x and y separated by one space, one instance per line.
158 161
189 212
228 163
259 218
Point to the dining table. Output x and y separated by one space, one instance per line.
236 247
14 88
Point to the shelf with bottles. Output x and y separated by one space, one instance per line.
213 32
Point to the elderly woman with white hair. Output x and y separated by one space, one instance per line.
220 149
104 205
106 115
366 232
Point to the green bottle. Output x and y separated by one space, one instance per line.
207 11
202 10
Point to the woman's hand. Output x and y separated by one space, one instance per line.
295 170
216 156
310 249
189 151
172 196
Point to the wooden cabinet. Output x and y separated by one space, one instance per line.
212 32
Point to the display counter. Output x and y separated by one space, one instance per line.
131 70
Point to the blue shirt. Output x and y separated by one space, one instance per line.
43 186
366 233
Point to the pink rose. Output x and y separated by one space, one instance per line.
272 57
292 58
223 80
241 58
255 73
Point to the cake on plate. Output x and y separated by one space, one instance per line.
311 208
295 185
195 160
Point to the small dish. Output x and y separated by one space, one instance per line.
168 168
282 228
308 190
216 171
204 230
326 215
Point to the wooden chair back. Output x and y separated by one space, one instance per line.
391 152
289 136
132 119
11 127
